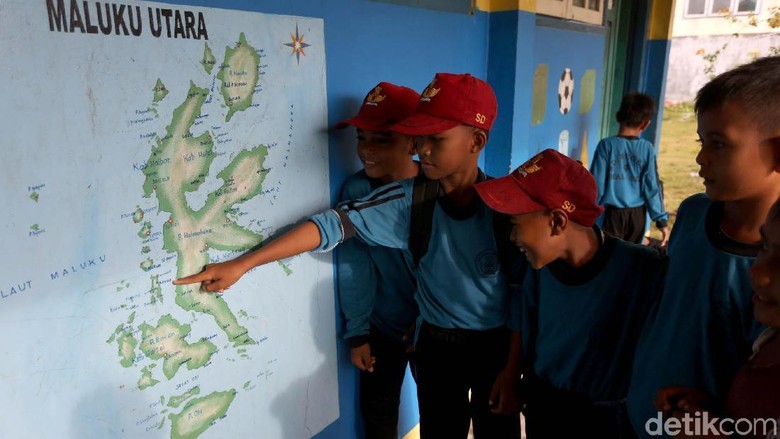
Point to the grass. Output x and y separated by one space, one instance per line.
677 159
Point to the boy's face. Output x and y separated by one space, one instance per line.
385 154
446 153
765 272
736 158
532 233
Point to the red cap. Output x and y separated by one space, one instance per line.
383 106
550 180
451 100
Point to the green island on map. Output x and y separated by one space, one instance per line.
166 341
239 75
125 341
146 379
159 91
156 290
208 60
198 414
179 163
176 401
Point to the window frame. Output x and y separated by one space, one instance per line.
565 9
708 13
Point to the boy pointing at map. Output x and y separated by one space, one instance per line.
462 290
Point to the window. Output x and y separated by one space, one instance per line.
588 11
710 8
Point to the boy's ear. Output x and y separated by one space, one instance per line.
775 142
479 140
559 221
645 124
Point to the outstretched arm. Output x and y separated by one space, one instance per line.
219 277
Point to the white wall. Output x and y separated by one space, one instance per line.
700 26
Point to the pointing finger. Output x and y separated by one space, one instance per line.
200 277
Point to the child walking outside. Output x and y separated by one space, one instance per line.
704 327
627 174
582 304
376 284
461 289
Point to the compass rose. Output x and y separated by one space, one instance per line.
297 45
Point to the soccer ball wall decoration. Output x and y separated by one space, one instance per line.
565 91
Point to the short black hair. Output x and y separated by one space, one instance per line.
635 109
754 86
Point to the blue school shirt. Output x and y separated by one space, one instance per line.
459 281
579 326
704 326
627 175
376 284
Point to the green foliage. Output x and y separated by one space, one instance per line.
751 20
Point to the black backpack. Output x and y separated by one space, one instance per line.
424 198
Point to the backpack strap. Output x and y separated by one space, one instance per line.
424 195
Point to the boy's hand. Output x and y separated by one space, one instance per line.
215 277
362 359
673 401
664 236
503 400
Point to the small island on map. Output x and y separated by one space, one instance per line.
176 401
166 341
138 215
123 336
198 414
146 379
239 75
209 61
160 91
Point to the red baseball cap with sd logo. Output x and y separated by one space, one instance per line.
448 101
549 180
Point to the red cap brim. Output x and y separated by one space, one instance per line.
504 196
364 124
420 124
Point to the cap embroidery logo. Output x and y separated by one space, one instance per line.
530 166
430 91
374 98
568 207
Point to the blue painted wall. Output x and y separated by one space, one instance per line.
522 37
578 51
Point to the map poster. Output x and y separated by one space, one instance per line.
142 141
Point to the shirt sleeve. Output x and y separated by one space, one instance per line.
357 285
652 192
600 169
380 218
